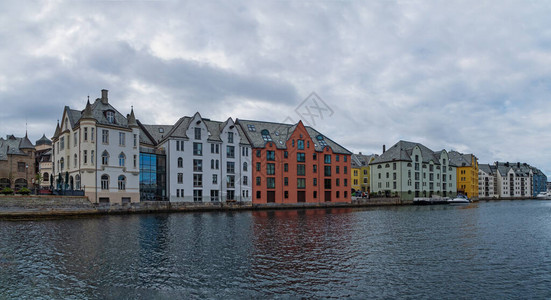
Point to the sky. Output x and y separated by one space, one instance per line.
470 76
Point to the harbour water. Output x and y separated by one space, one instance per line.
486 250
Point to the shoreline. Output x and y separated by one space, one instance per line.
41 207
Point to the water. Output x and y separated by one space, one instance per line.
489 250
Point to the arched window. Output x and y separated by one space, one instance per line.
122 159
105 158
71 183
46 177
104 182
122 183
212 163
77 182
4 182
245 166
266 135
180 162
20 183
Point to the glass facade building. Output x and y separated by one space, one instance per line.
152 177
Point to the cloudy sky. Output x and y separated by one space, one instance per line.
472 76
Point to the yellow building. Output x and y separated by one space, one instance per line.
467 173
360 171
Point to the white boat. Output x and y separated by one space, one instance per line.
460 199
544 196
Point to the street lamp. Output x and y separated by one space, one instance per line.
26 177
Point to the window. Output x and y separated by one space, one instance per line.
214 195
270 155
314 156
327 158
230 151
85 134
92 157
286 181
180 177
286 194
337 170
301 157
315 182
338 182
212 163
285 154
21 166
110 116
105 136
253 129
300 144
62 143
230 167
217 164
258 166
214 179
266 135
92 136
122 159
180 162
122 139
393 166
197 149
75 139
85 156
197 165
197 195
301 183
230 137
345 182
122 183
315 168
197 133
75 161
230 181
258 153
345 169
270 169
135 140
337 157
197 180
270 181
258 181
245 180
105 158
345 159
327 170
286 167
327 184
135 161
104 182
245 166
301 170
77 181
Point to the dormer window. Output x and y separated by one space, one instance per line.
161 130
110 116
266 135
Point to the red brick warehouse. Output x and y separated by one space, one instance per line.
296 163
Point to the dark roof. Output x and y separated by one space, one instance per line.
459 159
13 146
486 168
361 160
43 141
280 134
402 150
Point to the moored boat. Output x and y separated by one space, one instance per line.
460 199
544 196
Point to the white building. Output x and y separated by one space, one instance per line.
411 170
206 161
97 150
487 181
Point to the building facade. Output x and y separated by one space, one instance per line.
467 173
97 150
206 161
295 164
360 174
17 162
487 181
408 170
539 181
43 162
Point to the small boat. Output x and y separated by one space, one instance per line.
544 196
460 199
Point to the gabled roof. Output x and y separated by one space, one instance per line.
280 133
486 168
402 150
459 159
361 160
14 146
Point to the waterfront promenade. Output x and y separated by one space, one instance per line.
51 206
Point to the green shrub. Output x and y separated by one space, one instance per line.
6 191
24 191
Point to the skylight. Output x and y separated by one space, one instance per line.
266 135
251 127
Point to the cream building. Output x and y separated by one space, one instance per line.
97 150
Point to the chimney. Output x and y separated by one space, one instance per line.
384 148
518 164
104 96
360 153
